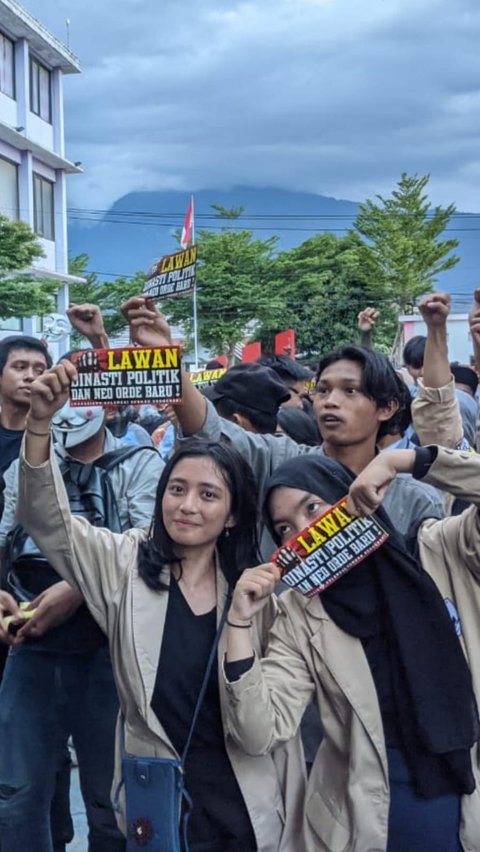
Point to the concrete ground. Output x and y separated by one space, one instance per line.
79 842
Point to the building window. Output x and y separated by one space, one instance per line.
8 189
7 77
40 90
43 223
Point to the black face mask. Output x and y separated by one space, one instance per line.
118 425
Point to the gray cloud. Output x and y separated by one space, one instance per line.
330 96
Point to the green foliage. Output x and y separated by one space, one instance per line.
244 288
20 294
403 240
234 288
108 295
227 212
325 282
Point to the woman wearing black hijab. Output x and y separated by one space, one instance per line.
384 651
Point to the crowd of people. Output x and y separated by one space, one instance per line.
211 708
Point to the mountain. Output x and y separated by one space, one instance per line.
139 228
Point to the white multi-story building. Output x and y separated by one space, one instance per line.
33 166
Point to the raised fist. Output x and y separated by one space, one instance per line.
87 319
367 318
435 309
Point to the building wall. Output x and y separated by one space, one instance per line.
8 110
458 331
44 136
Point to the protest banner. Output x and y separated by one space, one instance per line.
204 378
173 275
324 551
131 375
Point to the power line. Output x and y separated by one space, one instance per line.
107 221
244 215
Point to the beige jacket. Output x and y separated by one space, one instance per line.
103 566
308 655
436 415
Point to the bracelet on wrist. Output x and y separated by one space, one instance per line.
38 434
240 626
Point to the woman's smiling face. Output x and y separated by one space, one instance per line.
291 510
196 505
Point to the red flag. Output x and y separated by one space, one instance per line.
187 230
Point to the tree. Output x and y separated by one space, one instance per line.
20 294
403 234
325 282
108 295
234 288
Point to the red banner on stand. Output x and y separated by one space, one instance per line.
251 352
285 343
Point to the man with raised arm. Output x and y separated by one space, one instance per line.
58 681
436 409
357 393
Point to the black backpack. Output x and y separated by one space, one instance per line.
25 572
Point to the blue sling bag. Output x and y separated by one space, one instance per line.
155 787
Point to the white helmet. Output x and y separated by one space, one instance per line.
73 426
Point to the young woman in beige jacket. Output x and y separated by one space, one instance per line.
159 598
391 655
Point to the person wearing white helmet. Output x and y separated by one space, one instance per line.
58 679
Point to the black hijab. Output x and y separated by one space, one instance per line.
390 595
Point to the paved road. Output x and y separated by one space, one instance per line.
79 842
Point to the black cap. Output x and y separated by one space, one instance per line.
252 386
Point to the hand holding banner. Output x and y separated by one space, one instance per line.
131 375
324 551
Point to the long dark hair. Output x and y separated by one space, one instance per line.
237 550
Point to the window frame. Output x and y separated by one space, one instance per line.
17 189
39 218
36 68
7 40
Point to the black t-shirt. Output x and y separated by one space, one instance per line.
10 442
219 819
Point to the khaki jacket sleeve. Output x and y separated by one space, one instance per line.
266 705
458 472
436 416
94 560
457 539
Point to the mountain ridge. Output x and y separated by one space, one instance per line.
139 228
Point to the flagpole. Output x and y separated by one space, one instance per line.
195 319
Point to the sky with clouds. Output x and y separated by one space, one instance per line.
330 96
